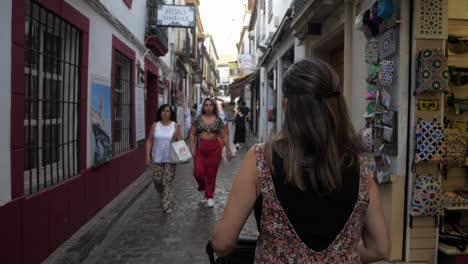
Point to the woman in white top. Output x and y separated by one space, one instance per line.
158 154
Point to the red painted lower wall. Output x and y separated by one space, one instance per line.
10 230
33 227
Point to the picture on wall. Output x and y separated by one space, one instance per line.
101 123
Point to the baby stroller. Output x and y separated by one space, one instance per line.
243 252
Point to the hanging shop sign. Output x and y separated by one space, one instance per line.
244 61
176 16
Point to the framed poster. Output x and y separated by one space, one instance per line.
101 123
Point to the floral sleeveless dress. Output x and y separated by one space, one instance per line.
279 242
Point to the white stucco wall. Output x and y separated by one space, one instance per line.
5 100
171 46
279 9
100 53
262 120
284 47
134 19
299 51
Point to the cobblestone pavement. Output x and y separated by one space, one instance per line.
144 234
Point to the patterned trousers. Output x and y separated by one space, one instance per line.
163 179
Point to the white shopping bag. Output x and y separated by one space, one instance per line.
180 152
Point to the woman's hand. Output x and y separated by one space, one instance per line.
192 149
228 155
238 207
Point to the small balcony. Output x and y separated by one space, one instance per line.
156 37
194 62
185 52
297 7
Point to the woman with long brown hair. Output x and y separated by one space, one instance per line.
314 200
207 136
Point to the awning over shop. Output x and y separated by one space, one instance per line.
221 99
205 90
236 87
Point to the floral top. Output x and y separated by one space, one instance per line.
279 242
201 126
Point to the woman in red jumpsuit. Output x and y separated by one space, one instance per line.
206 142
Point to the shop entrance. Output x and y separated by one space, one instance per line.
271 104
151 99
337 62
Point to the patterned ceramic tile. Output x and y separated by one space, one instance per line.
372 51
386 73
433 74
431 18
387 44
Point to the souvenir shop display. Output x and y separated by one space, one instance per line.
457 44
386 73
430 145
433 72
427 105
426 198
456 198
366 139
437 112
382 169
431 21
379 139
372 51
386 127
440 152
458 75
387 43
454 235
385 9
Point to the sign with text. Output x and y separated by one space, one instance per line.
176 16
245 61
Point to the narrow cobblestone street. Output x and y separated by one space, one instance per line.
144 234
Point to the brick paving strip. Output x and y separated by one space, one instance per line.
133 228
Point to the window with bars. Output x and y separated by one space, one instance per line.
122 134
52 99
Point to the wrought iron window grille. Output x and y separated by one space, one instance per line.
52 99
122 134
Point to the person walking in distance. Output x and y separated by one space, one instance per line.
158 145
313 196
222 113
230 108
206 142
240 131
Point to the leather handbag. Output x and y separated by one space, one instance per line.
243 252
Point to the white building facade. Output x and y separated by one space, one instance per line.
82 82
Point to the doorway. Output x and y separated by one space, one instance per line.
151 100
337 62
